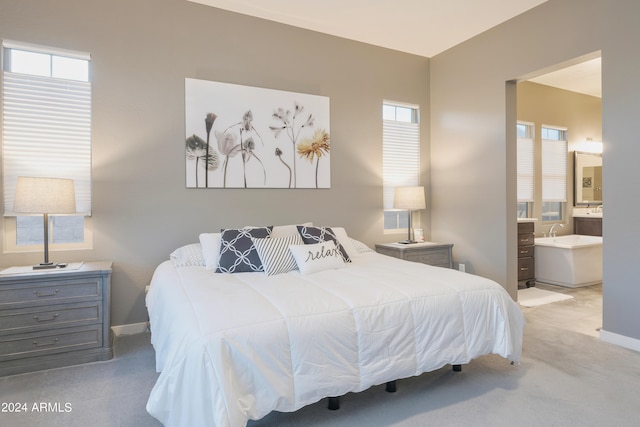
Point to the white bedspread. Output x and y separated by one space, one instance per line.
234 347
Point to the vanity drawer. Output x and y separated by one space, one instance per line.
525 239
54 316
526 268
587 226
526 251
47 292
49 342
525 227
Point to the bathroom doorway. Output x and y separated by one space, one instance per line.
563 103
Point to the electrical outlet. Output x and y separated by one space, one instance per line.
462 267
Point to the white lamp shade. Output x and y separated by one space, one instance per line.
36 195
411 198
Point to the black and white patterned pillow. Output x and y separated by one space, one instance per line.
237 252
274 253
322 234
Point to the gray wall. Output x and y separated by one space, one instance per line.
473 160
142 50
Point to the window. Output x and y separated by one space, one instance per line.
401 158
526 168
554 173
46 129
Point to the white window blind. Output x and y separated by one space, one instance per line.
526 162
554 165
401 154
46 125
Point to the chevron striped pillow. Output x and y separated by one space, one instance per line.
275 255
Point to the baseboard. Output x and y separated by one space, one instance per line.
130 329
620 340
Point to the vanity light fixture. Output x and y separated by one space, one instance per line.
411 199
589 146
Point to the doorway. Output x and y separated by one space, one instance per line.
564 97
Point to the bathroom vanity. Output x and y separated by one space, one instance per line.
589 225
526 257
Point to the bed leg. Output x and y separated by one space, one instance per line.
391 387
334 403
457 368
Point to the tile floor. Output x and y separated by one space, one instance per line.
581 314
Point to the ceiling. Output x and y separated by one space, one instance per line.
419 27
584 77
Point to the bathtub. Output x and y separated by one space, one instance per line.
571 261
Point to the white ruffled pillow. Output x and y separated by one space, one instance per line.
345 241
316 257
360 247
188 256
210 249
287 230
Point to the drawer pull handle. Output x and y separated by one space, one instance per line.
55 340
524 240
524 268
50 294
523 252
38 319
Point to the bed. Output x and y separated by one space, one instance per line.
231 347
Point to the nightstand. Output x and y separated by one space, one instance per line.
438 254
55 318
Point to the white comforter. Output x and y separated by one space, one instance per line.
234 347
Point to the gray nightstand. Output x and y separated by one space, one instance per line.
54 318
438 254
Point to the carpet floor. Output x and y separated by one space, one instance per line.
566 377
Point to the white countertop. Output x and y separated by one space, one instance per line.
527 219
587 215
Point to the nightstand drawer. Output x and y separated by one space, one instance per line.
436 254
54 316
47 292
439 258
51 341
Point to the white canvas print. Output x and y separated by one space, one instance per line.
247 137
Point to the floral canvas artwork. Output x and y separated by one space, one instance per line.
248 137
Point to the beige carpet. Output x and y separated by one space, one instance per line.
532 297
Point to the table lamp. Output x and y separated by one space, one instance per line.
35 195
411 199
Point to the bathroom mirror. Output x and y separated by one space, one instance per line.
587 177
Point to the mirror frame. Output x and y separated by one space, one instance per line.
576 155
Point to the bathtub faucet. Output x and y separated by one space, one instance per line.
552 230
